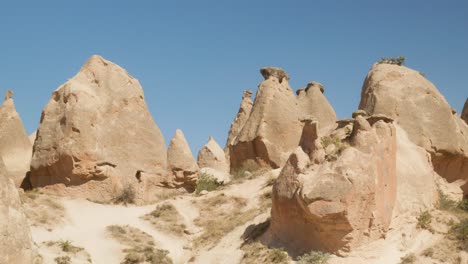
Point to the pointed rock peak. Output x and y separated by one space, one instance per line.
279 73
179 134
464 114
247 94
313 85
211 139
8 95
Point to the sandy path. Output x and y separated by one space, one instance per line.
87 224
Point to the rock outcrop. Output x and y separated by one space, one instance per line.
342 202
96 132
211 155
464 114
15 148
15 243
273 128
417 106
181 163
312 102
241 118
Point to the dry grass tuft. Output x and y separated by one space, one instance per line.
256 252
250 169
166 217
140 246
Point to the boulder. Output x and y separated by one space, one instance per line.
241 118
464 114
15 147
96 132
212 156
340 203
16 244
312 102
418 107
181 163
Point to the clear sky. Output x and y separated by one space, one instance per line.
194 58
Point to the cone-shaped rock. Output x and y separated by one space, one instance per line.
464 114
241 118
312 102
273 128
15 147
32 137
415 103
181 163
16 243
212 156
96 128
343 202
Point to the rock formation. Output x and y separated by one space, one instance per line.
181 163
97 131
212 156
312 102
15 243
15 148
417 106
273 128
32 137
343 202
241 118
464 114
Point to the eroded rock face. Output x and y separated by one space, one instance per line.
241 118
343 202
212 156
181 163
273 128
15 148
418 107
464 114
15 243
312 102
96 131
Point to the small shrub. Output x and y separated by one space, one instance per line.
424 220
277 255
206 182
400 60
126 196
314 257
248 167
460 233
66 245
408 259
339 146
445 203
463 205
63 260
166 217
428 252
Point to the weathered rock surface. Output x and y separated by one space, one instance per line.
343 202
418 107
181 163
273 128
312 102
32 138
464 114
212 156
15 243
15 148
241 118
96 132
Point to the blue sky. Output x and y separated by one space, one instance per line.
194 58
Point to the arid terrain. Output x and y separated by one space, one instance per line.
293 183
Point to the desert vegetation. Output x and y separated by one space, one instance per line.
400 60
166 217
206 182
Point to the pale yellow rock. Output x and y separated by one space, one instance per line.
180 161
464 114
15 147
15 243
241 118
96 131
212 156
32 137
418 107
339 204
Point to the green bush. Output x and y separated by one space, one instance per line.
314 257
400 60
463 205
460 233
424 220
206 182
445 203
126 196
339 146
